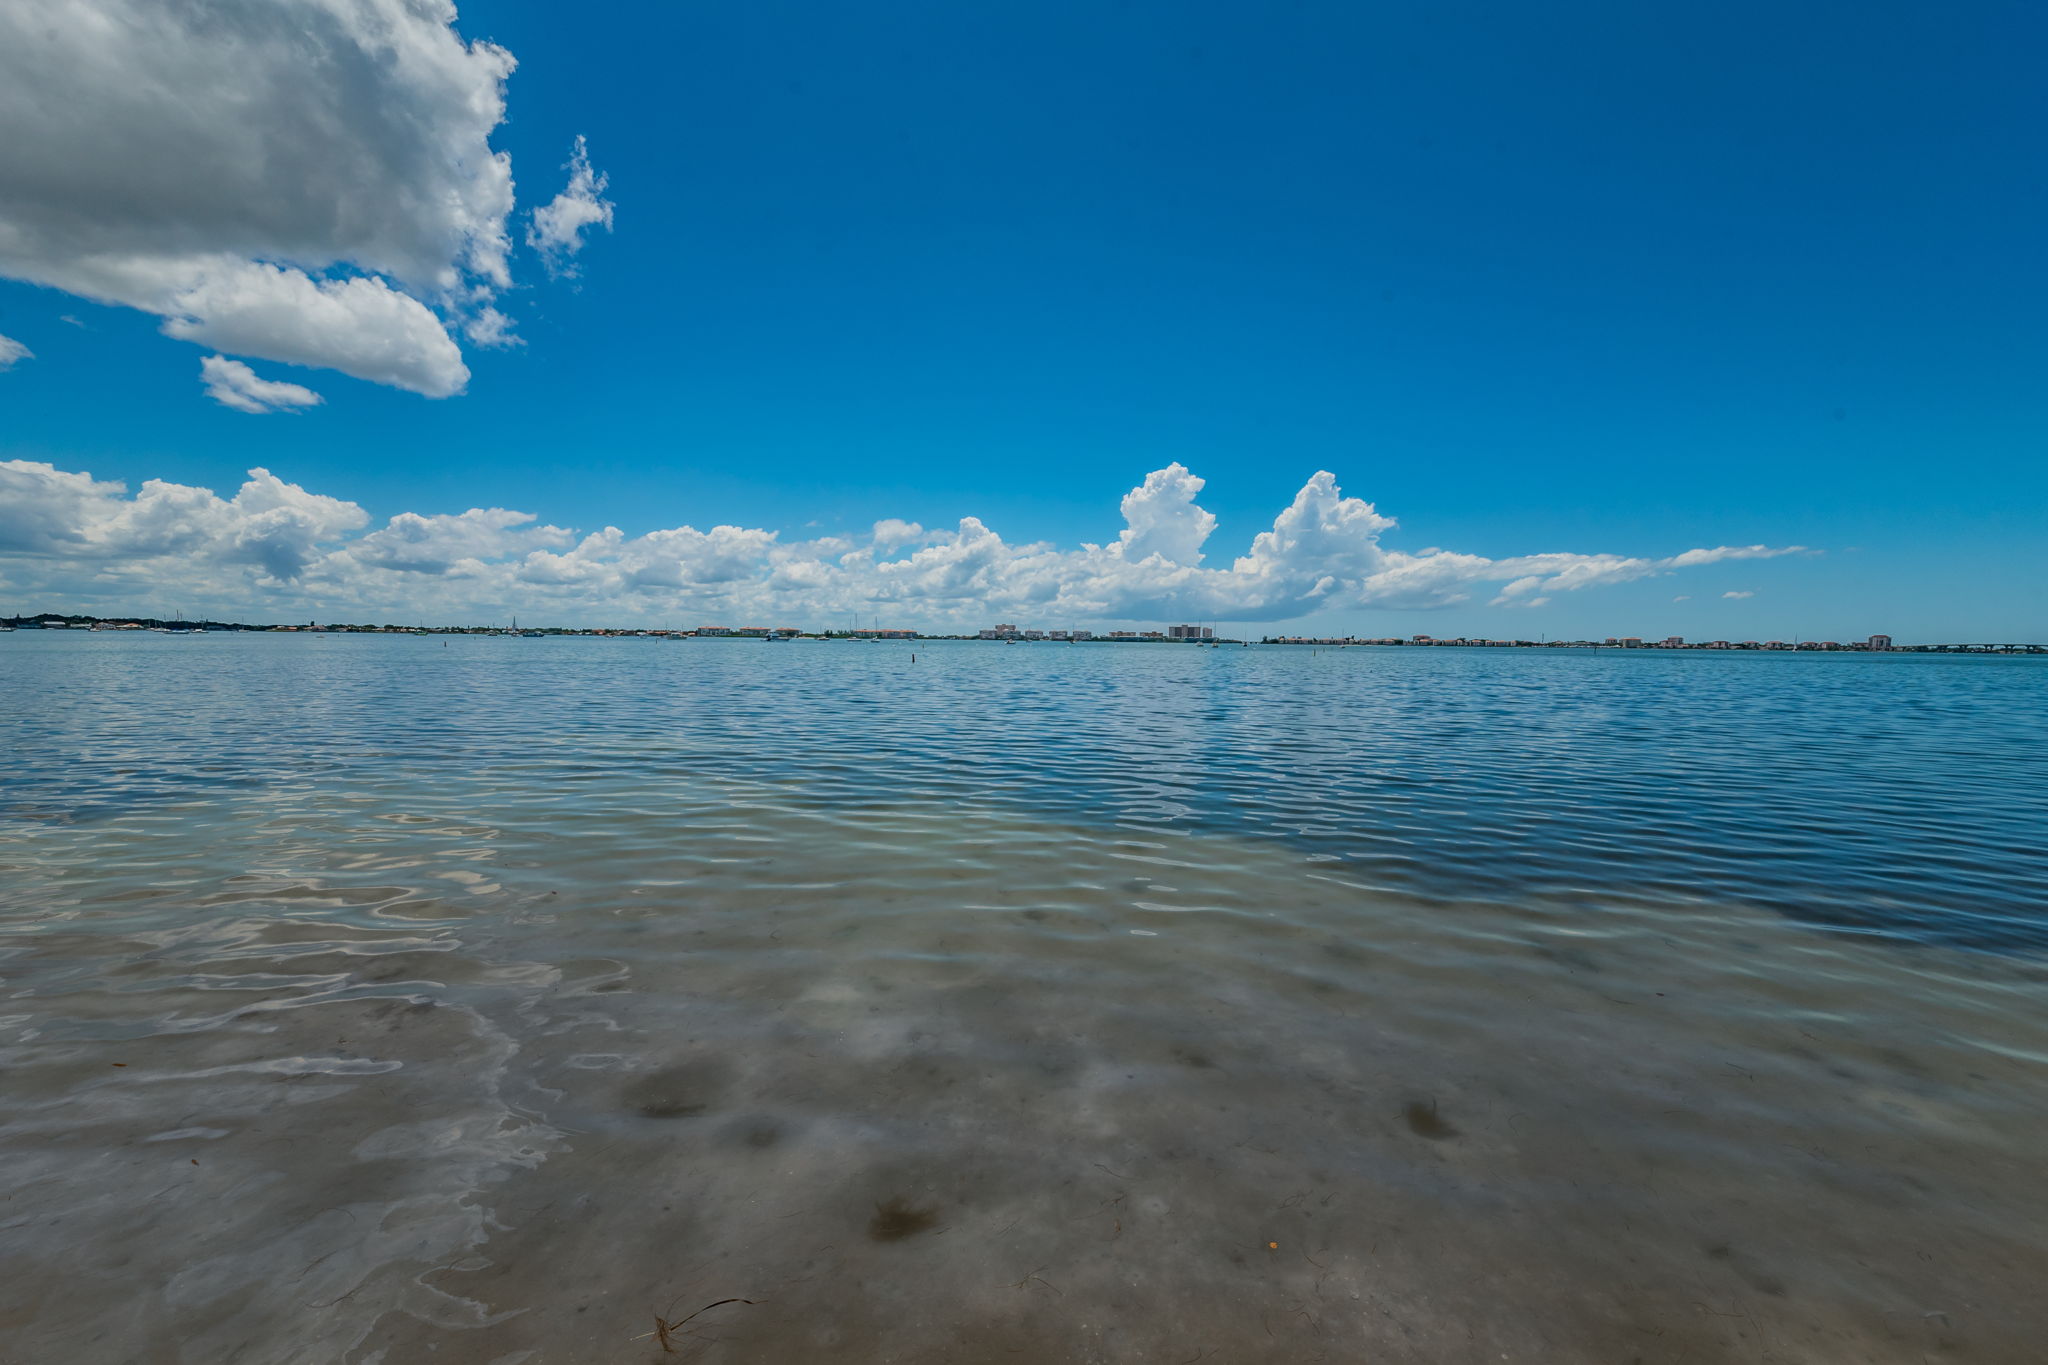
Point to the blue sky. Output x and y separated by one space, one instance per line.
1610 279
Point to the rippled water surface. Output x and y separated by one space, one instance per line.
499 1001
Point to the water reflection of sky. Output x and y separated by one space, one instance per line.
1895 795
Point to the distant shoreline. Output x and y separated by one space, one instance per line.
102 625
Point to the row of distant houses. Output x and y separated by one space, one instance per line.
1011 632
1875 644
741 632
1007 632
60 623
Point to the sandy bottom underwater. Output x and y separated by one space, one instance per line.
922 1085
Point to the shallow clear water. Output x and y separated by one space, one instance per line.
391 999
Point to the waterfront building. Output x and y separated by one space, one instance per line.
1189 633
1879 643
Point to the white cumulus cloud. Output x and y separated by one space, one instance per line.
73 528
360 326
275 548
12 353
556 231
893 533
412 543
1160 518
307 181
490 328
233 384
1738 595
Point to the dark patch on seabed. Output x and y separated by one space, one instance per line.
897 1218
1425 1120
686 1090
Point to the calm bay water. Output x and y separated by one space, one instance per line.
392 999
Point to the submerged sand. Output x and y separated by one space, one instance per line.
922 1084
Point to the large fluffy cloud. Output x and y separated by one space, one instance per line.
435 545
308 181
270 530
68 538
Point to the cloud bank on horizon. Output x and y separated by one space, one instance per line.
305 181
275 551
